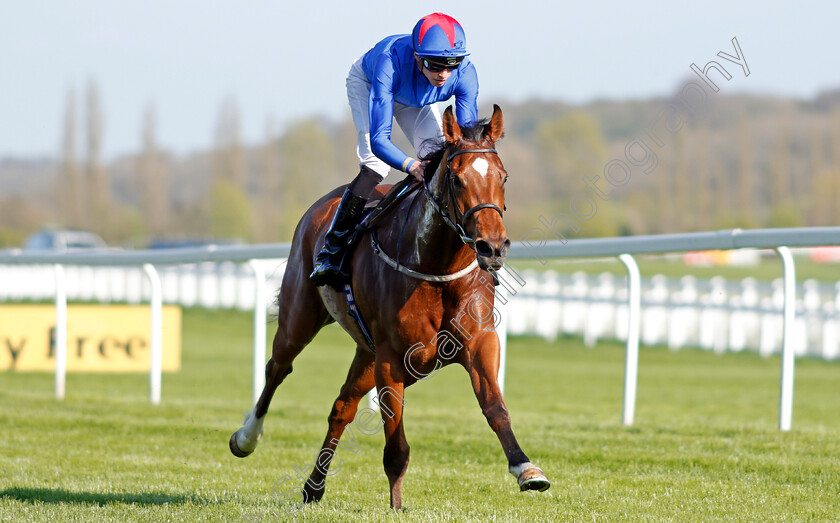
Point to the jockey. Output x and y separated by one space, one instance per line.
400 78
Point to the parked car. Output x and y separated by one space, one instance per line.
63 240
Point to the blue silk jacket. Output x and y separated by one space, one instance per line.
394 76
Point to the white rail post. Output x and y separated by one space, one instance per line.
60 331
259 328
631 365
155 334
786 378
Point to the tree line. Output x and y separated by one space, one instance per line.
746 161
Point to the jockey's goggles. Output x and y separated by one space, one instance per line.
438 64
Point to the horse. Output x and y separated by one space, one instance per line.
427 307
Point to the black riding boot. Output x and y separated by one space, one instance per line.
328 266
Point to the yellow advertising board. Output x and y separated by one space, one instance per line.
100 338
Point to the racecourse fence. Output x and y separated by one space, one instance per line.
208 285
713 314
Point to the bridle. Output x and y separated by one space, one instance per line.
460 217
457 225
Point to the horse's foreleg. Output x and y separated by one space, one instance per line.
359 382
484 370
390 384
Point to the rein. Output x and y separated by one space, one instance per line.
457 225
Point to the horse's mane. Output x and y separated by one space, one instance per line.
437 147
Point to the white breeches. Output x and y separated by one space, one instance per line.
418 125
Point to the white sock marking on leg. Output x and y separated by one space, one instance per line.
519 469
250 433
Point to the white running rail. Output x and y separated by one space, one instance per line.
779 239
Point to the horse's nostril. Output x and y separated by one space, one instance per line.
482 248
505 248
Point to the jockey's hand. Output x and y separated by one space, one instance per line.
418 170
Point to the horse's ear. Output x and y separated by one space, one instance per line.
496 128
451 129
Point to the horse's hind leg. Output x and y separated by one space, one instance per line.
390 384
297 324
359 382
244 441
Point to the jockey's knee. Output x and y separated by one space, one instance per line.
364 182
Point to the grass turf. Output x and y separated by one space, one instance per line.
704 446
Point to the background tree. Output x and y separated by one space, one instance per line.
745 210
229 208
229 157
780 175
230 212
152 180
835 165
822 181
701 185
524 192
781 200
569 147
308 171
68 187
267 201
746 160
97 187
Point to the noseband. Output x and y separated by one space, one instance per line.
460 217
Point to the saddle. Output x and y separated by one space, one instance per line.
372 215
376 210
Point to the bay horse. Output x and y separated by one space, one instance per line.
427 310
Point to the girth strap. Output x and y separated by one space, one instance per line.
354 313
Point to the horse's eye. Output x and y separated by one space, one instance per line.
456 182
505 180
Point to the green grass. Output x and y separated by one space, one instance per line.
704 447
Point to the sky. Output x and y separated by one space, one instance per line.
284 61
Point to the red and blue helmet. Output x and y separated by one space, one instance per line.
439 35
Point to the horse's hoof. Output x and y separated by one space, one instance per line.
533 479
311 495
234 448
